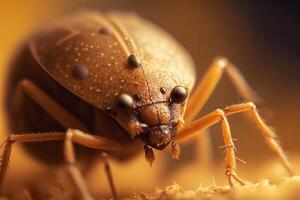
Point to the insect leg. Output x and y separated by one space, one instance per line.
72 168
72 135
193 128
267 132
108 172
207 121
88 140
48 104
66 119
207 85
30 137
203 91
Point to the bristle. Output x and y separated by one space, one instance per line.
4 159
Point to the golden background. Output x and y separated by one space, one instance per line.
269 60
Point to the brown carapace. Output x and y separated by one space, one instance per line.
115 83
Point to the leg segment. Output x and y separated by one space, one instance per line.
205 87
204 90
6 146
63 117
108 172
194 127
27 87
207 121
268 134
72 135
72 168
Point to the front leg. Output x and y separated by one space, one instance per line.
199 125
203 91
207 121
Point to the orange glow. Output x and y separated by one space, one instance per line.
19 18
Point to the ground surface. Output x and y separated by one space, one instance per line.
58 186
286 189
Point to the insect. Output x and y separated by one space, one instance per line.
118 84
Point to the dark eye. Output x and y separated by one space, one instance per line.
124 101
178 94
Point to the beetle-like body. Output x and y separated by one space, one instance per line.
97 45
114 83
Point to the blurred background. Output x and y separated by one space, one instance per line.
260 37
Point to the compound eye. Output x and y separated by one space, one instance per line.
124 101
178 94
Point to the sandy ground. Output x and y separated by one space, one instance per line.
287 188
58 186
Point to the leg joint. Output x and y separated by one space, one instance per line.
105 159
229 146
221 62
221 114
24 83
229 171
69 134
252 105
11 138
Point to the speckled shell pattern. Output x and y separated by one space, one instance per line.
88 54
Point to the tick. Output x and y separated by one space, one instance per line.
118 84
